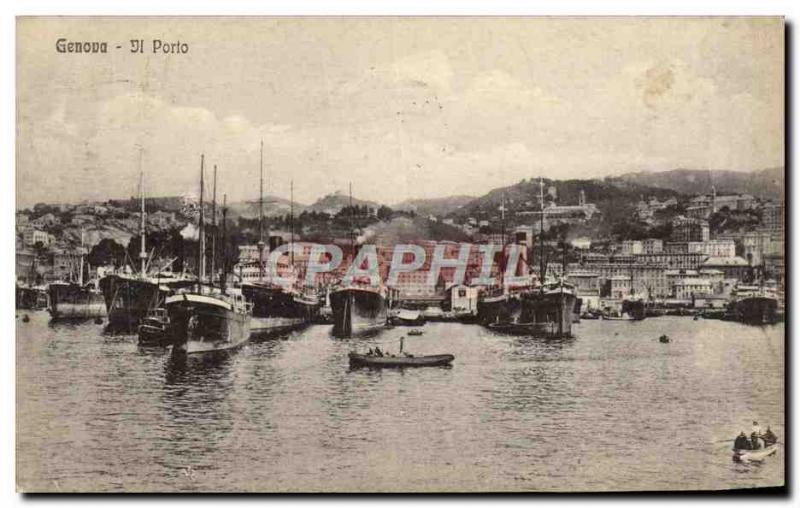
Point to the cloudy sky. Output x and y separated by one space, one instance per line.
400 107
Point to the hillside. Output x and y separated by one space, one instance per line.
434 206
766 183
273 207
332 203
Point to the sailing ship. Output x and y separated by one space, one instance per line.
206 319
277 307
129 295
359 307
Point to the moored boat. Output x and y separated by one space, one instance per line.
31 297
70 300
755 305
358 310
207 321
154 328
407 317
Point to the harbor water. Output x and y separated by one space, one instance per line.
610 409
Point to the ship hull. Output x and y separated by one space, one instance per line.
756 310
549 314
357 312
31 298
636 309
499 309
71 301
276 311
128 299
199 327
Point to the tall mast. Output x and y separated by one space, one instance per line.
214 227
201 258
503 221
291 222
541 229
142 251
223 275
261 214
80 273
352 240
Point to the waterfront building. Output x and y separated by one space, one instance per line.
463 299
688 288
732 267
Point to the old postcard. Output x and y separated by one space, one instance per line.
398 254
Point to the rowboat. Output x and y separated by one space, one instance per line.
415 332
754 455
358 360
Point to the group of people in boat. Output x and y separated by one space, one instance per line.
757 439
377 351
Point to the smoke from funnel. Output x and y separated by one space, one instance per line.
190 232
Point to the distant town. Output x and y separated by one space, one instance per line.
606 237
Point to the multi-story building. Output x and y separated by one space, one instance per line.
716 248
732 267
687 229
32 236
652 246
772 216
619 286
677 260
629 247
688 288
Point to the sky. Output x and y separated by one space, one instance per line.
401 107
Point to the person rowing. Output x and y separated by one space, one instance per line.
741 442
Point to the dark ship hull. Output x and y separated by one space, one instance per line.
636 309
756 310
128 299
73 301
206 325
549 314
30 298
499 310
276 310
358 311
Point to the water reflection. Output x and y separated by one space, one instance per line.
597 411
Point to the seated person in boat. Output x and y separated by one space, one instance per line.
769 437
741 442
754 444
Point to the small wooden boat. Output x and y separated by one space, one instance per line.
415 332
359 360
754 455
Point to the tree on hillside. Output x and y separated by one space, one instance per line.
107 252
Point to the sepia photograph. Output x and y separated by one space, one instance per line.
398 254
